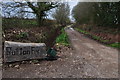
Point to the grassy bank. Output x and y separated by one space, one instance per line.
62 38
115 45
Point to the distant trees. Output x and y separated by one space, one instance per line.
62 13
98 13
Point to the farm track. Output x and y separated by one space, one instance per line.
100 61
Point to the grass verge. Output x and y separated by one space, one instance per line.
82 31
115 45
63 38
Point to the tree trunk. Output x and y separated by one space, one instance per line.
39 20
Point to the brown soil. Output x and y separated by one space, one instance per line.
11 34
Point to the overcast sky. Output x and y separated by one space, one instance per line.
71 4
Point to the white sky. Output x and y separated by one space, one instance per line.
72 4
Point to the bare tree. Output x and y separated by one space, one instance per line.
61 14
41 8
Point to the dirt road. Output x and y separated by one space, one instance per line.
87 59
100 61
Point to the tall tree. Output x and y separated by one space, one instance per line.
83 12
40 9
98 13
62 13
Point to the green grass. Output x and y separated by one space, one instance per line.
96 37
99 39
29 22
93 36
104 41
14 22
62 38
82 31
115 45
